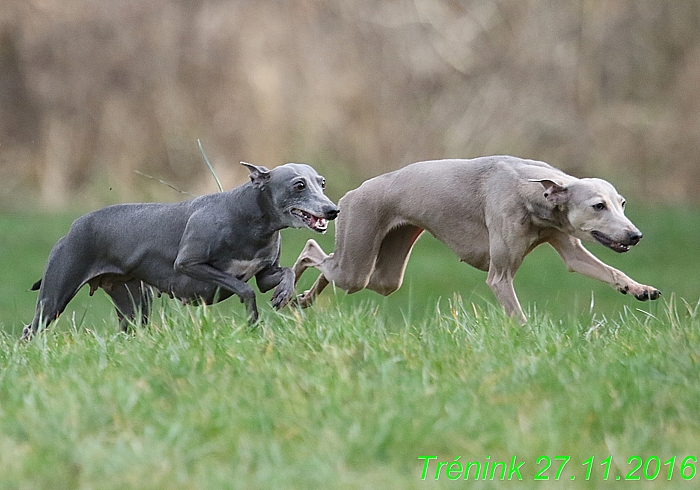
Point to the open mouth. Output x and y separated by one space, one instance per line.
316 223
608 242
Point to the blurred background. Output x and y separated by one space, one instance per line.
93 90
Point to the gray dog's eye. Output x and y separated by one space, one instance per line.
323 183
300 185
600 206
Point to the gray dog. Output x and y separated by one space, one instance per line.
202 250
491 211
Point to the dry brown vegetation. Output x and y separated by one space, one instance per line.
91 90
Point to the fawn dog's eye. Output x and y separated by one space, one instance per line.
600 206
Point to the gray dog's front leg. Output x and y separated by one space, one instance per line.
207 273
280 278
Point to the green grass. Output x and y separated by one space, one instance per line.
350 393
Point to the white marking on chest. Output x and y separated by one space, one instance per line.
245 269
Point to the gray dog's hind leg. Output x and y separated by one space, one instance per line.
132 301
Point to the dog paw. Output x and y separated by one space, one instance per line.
643 293
650 293
281 298
303 300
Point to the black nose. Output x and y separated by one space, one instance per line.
633 237
332 213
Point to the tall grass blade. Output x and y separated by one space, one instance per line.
211 169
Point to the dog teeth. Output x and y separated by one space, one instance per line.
314 222
620 247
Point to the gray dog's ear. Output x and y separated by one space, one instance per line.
259 175
554 193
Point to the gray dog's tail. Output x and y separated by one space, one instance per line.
36 286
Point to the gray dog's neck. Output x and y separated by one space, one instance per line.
256 208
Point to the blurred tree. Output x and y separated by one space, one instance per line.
91 90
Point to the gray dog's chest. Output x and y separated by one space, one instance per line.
245 269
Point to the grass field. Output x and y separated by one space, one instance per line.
363 391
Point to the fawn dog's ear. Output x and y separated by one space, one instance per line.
554 193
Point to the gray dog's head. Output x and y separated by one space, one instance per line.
296 192
595 211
